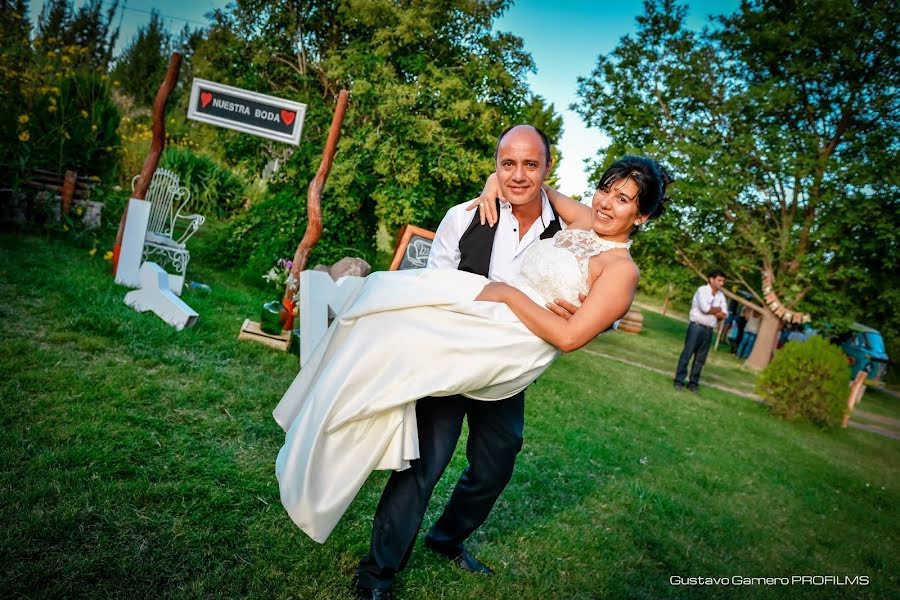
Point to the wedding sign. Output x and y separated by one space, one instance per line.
246 111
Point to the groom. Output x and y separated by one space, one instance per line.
495 428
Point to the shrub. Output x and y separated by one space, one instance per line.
272 228
215 190
807 380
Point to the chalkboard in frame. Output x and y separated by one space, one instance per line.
412 249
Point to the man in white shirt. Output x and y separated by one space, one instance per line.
495 428
707 308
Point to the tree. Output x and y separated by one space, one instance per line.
142 65
61 26
431 87
773 121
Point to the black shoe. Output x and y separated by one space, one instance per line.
461 558
679 386
693 389
361 592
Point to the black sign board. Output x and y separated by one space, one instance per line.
413 249
242 110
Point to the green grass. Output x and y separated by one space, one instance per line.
881 403
138 462
659 345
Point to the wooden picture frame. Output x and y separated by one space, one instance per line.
412 248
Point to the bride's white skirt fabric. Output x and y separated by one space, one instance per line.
351 409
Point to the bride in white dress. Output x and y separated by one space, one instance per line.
429 332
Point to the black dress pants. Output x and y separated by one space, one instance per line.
495 438
696 343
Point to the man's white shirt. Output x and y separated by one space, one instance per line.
508 252
703 301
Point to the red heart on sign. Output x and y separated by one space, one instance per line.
205 98
288 117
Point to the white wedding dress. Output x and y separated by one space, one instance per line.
408 335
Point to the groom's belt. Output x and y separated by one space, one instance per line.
702 325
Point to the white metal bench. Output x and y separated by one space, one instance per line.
167 199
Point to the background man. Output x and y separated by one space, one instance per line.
495 428
707 307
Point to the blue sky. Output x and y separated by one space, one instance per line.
564 38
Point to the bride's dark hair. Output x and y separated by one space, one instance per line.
650 177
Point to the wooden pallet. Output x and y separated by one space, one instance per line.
250 331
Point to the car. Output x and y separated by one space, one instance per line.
865 351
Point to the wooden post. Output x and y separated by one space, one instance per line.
68 191
857 389
313 203
157 144
665 305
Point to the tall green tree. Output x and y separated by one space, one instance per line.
142 65
90 27
780 125
16 57
431 86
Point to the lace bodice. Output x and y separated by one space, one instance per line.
558 267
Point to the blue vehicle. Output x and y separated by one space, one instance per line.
865 352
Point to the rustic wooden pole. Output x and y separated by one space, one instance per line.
313 201
68 191
157 144
669 290
857 389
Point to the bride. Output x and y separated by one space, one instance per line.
431 332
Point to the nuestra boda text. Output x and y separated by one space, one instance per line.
246 111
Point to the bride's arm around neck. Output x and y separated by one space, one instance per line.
575 214
609 298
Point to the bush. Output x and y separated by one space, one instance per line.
215 190
272 228
807 380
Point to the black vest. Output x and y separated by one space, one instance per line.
477 243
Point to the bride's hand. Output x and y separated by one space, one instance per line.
485 203
495 292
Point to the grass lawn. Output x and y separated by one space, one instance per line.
659 345
879 402
138 462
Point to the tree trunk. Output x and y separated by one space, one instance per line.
766 341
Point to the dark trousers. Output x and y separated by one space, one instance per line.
696 344
495 438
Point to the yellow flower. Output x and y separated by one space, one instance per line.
78 212
24 136
116 83
65 227
66 135
92 251
94 127
85 114
23 118
51 108
108 255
